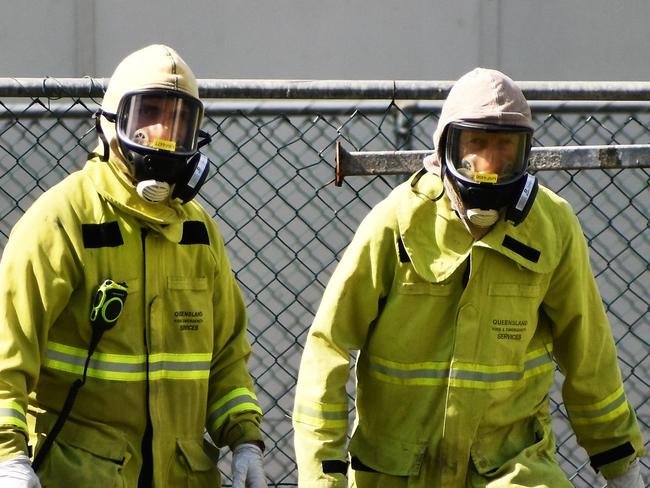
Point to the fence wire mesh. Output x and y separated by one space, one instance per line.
286 225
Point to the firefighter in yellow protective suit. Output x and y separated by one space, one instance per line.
459 291
172 368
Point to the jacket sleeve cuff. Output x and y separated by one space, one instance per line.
244 431
617 468
12 444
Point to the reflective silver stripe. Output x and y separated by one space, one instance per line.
179 366
326 415
410 374
538 361
231 405
486 377
501 376
463 374
600 412
130 368
12 413
97 363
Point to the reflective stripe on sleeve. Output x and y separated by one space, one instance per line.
13 414
321 414
125 367
238 400
465 375
610 407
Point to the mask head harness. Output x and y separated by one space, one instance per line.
159 137
488 164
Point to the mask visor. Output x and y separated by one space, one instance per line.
487 154
160 121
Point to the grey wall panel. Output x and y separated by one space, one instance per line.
334 39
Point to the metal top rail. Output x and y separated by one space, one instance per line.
364 163
334 89
30 109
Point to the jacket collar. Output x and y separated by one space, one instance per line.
437 242
113 184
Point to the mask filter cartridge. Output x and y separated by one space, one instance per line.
153 191
482 218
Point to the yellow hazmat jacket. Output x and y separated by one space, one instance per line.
457 344
178 353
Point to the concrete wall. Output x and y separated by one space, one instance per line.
334 39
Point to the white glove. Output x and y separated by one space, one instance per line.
630 479
248 467
18 473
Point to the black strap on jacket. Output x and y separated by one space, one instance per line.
60 421
333 466
611 455
357 465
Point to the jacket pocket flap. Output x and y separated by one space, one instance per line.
108 445
387 455
192 450
513 290
523 440
433 289
182 283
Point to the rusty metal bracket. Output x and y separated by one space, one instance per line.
541 159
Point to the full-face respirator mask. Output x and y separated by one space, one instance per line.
487 164
159 137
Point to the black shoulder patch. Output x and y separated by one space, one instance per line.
403 255
101 235
520 248
195 232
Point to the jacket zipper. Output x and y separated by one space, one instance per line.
446 457
146 447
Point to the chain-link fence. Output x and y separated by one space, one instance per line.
286 224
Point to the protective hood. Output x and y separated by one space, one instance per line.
481 101
483 95
155 66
